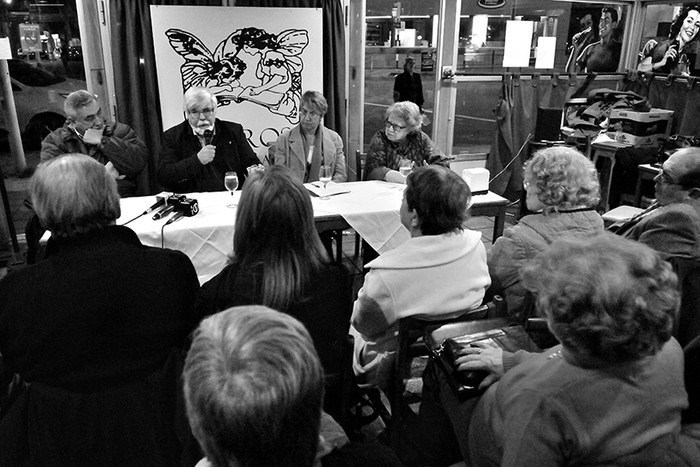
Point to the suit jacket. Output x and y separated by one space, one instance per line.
96 329
179 169
673 229
289 151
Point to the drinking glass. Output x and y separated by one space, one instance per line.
405 167
325 175
231 183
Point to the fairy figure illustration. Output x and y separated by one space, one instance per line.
201 67
275 59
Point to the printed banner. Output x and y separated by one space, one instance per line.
258 62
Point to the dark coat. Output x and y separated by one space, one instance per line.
325 309
179 169
97 330
408 87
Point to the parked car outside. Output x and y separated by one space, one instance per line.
39 96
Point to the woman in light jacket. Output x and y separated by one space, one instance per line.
309 145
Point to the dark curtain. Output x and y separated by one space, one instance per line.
681 96
135 74
516 119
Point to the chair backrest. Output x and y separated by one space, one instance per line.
692 381
411 331
688 325
360 158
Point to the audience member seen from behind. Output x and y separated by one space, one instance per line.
309 145
254 389
440 270
279 261
670 55
401 142
562 191
115 145
196 154
612 392
672 224
95 329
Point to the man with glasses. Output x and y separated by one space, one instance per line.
672 224
603 55
196 154
115 145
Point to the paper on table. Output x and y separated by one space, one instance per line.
545 52
518 42
316 188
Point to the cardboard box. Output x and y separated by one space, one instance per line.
642 129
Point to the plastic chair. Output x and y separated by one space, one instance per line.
410 345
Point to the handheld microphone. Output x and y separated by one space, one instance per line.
178 215
161 199
161 214
208 137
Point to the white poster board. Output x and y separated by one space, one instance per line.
258 62
546 47
518 41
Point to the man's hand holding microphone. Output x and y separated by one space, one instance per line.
207 153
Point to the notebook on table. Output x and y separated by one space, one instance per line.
446 344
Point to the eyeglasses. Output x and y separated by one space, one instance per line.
303 113
196 113
666 179
394 127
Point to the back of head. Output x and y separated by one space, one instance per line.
440 198
276 234
73 195
564 178
77 100
408 112
607 299
254 389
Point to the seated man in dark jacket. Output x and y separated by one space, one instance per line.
96 329
196 154
113 144
672 224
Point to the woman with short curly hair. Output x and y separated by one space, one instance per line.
562 189
612 392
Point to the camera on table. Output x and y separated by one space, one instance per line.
187 206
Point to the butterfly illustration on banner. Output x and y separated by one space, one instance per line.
249 65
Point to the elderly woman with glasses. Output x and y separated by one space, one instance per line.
562 190
400 144
196 154
310 145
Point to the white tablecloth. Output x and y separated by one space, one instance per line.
371 208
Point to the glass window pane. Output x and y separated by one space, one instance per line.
669 40
483 31
391 37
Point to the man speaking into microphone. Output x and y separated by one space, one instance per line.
196 154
